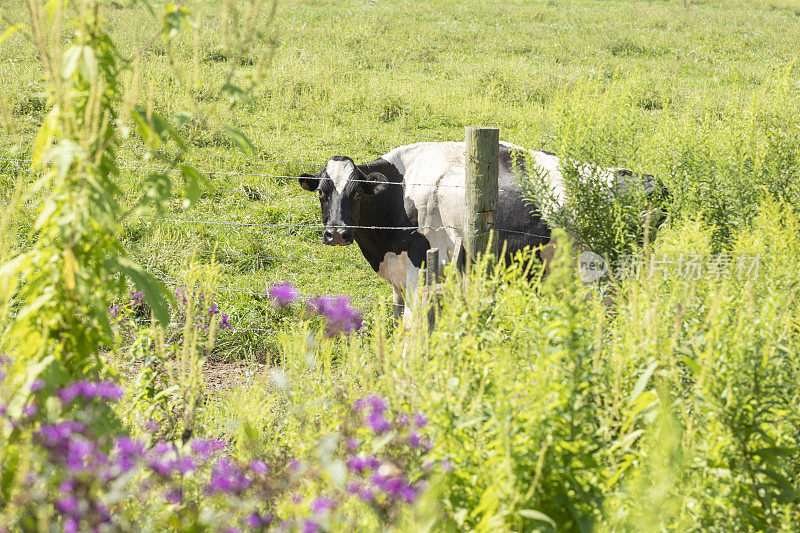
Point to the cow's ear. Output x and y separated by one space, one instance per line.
308 181
374 183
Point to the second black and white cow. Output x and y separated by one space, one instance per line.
412 199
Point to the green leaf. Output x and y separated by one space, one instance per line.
9 471
156 189
641 383
149 137
63 155
174 19
69 61
44 137
156 130
11 30
235 92
240 140
153 290
88 64
538 516
192 188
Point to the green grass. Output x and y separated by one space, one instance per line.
357 79
675 408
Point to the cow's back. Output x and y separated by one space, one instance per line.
434 177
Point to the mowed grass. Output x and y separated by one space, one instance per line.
624 83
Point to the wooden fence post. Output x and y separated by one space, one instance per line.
431 282
483 150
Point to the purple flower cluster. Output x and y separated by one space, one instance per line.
390 479
137 299
102 390
340 316
283 294
228 478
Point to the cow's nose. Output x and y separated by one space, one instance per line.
337 237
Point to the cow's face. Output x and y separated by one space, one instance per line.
341 188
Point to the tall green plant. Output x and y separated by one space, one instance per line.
62 286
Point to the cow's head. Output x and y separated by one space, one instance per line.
342 189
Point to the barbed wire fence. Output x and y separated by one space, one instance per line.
253 191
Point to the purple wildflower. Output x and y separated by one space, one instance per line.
186 465
322 504
258 467
128 452
420 420
227 477
408 493
151 426
283 294
309 526
391 485
223 322
67 505
30 410
3 410
341 316
37 385
79 452
56 436
352 443
114 311
213 309
181 293
356 464
415 439
174 495
377 422
377 404
204 448
402 420
256 521
104 390
137 298
71 525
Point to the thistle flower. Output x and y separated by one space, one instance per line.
322 504
104 390
377 422
227 477
258 467
204 448
283 294
137 298
341 317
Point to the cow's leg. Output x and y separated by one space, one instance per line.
411 293
398 303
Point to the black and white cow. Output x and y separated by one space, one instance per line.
419 189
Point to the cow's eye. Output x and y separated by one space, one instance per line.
357 195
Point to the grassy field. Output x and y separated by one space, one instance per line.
674 409
621 83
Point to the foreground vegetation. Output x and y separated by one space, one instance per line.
664 400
